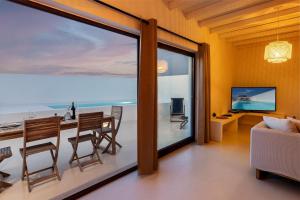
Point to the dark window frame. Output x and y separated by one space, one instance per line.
170 148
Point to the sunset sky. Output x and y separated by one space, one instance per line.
46 58
35 42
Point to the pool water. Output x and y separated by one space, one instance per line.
253 105
91 105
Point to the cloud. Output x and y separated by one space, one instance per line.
35 42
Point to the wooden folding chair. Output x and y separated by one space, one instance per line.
117 113
4 154
86 122
39 129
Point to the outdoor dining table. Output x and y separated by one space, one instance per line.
17 132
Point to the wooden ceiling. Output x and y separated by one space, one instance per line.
242 21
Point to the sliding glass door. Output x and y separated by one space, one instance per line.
50 64
175 96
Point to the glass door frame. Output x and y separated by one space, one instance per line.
170 148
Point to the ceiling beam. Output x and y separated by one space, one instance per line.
286 29
236 25
188 5
259 28
220 7
200 4
225 18
172 4
268 38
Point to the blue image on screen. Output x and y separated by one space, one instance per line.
254 99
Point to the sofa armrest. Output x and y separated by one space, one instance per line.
275 151
264 129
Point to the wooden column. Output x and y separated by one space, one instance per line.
202 104
147 99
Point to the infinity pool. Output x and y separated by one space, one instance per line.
91 105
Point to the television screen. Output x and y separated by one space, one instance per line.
253 98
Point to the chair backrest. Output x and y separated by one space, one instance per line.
89 121
117 112
5 153
177 106
42 128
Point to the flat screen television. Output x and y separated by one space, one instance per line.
253 99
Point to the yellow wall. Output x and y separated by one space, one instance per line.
252 70
222 64
174 20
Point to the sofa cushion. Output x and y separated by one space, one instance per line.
296 122
284 125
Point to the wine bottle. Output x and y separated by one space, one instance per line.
73 111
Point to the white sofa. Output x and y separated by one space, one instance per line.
275 151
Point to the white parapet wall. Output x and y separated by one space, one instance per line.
129 113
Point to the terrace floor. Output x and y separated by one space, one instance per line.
72 178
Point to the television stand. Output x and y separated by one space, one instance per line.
219 126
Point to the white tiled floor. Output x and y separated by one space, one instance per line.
72 178
217 171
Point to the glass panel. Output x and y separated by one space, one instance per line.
46 63
174 97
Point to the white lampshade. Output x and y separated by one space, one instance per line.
278 51
162 66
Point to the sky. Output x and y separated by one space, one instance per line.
46 58
36 42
